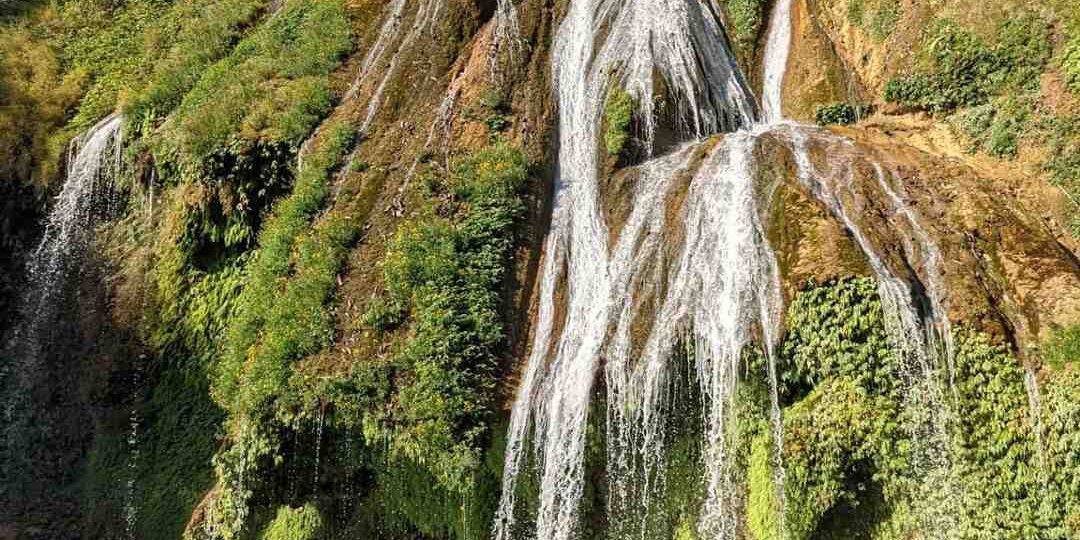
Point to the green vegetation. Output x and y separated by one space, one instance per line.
618 116
838 113
989 89
443 275
280 318
884 15
996 127
747 17
1070 64
294 524
961 69
836 331
269 92
267 333
848 446
1063 163
1063 347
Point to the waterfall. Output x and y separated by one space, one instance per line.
1031 384
913 342
630 299
775 59
599 45
506 37
88 194
94 159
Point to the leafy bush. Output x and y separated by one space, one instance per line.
996 127
996 452
1070 64
446 274
618 114
838 113
270 90
301 523
37 96
963 70
837 331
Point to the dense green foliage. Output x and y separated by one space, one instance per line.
294 524
746 18
963 70
835 113
1063 347
848 436
281 317
266 335
1070 64
444 275
618 115
270 90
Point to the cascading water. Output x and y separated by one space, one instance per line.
88 194
775 59
720 291
913 341
639 40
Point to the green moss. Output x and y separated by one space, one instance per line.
746 18
618 115
302 523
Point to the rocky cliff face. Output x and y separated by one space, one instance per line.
450 268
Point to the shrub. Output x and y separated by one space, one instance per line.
445 274
618 115
837 331
996 127
838 113
270 90
1063 347
301 523
1070 64
963 70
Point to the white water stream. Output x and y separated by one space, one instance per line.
720 289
